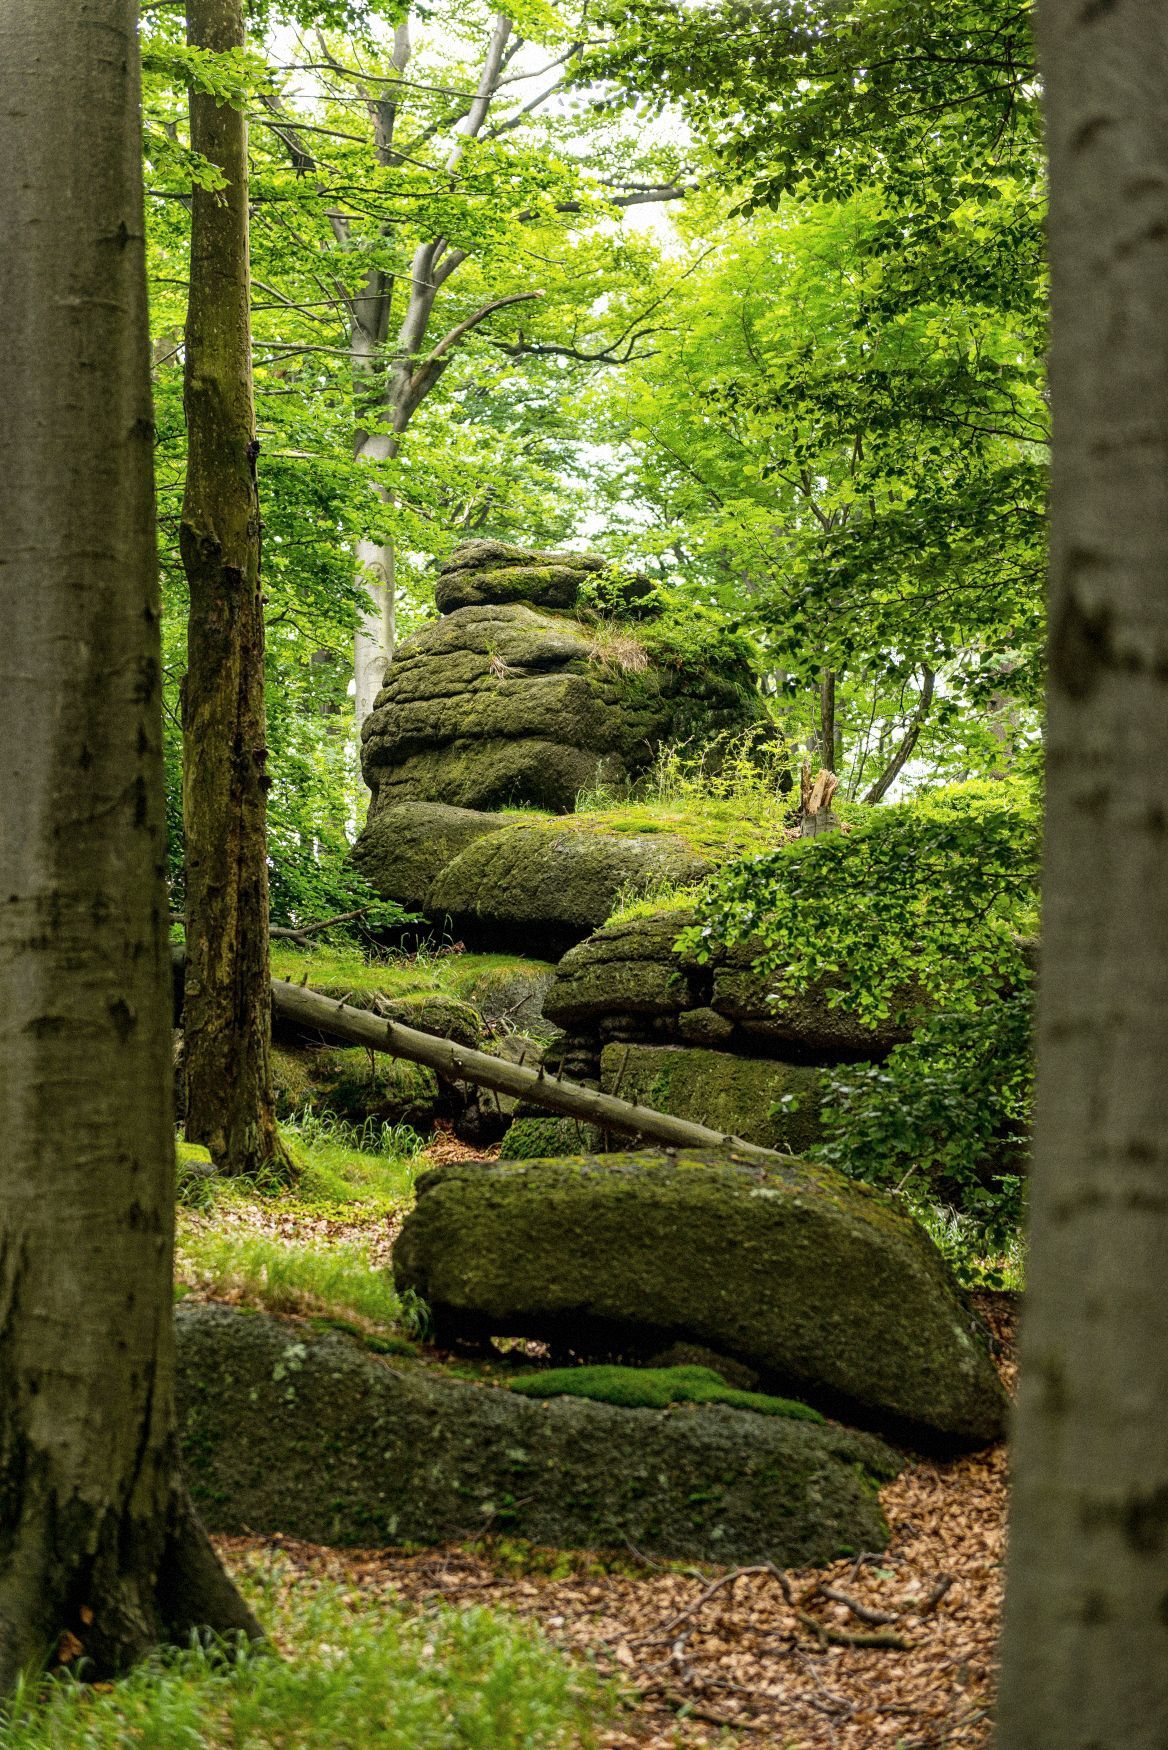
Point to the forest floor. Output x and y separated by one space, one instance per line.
895 1648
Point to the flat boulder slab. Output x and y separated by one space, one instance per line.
289 1430
547 883
760 1099
629 978
482 573
828 1291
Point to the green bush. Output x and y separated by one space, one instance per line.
921 904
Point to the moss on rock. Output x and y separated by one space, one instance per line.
655 1388
830 1291
764 1101
550 883
631 967
506 703
402 849
306 1433
532 1138
356 1085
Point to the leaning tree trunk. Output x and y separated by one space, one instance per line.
1086 1638
97 1538
227 1021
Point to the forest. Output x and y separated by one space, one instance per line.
583 951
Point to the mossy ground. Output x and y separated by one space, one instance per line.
655 1388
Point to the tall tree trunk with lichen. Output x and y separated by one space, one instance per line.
97 1537
1087 1595
227 1017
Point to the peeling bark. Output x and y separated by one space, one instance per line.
97 1536
230 1105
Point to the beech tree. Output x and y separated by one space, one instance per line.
1086 1614
97 1536
227 1009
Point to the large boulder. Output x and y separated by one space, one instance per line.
403 849
310 1434
829 1291
547 883
760 1099
480 573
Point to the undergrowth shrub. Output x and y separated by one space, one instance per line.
921 912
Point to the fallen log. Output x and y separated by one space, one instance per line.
308 1008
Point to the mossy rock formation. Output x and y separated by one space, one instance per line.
627 981
517 881
828 1290
287 1430
774 1104
509 698
403 849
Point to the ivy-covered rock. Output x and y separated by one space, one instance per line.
627 971
546 884
829 1291
309 1434
764 1101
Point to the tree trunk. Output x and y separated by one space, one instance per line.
1086 1641
227 1019
97 1537
311 1010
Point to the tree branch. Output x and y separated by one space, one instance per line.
908 741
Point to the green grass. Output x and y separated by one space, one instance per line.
337 971
336 1279
655 1388
357 1671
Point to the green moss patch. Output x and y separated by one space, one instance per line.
655 1388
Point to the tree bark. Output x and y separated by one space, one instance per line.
230 1105
308 1008
1087 1598
97 1537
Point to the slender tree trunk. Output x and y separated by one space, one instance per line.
827 748
227 1016
1086 1637
97 1537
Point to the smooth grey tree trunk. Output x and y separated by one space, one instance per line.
1086 1636
96 1535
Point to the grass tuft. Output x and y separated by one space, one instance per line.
339 1281
357 1670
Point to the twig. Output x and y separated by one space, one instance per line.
287 934
842 1637
662 1633
936 1595
865 1612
